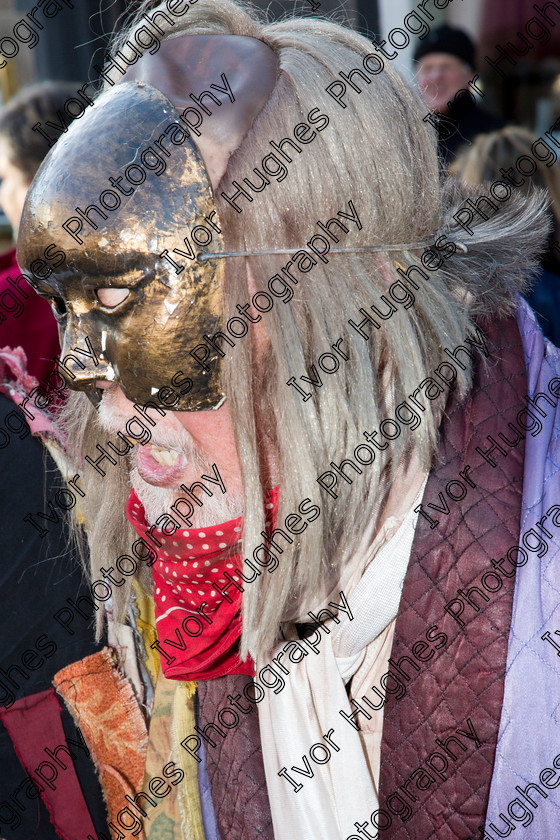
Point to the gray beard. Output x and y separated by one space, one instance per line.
215 510
157 501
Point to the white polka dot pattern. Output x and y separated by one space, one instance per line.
192 567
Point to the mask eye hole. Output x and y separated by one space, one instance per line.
111 298
59 306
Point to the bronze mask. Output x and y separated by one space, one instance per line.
125 198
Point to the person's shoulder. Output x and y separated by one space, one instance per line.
8 263
487 120
544 299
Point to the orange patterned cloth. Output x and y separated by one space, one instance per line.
103 705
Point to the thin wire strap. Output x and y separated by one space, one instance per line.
408 246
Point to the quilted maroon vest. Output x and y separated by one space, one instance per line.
463 682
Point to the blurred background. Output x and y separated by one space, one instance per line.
525 90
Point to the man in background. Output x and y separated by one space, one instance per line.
450 87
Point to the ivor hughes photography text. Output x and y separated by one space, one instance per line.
280 373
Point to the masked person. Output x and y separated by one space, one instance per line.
316 448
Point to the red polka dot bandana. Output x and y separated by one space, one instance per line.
198 628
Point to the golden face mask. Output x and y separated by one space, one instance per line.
120 241
125 198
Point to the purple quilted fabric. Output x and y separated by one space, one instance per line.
461 687
235 766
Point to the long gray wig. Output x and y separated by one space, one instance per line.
379 153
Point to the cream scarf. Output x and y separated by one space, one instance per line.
337 790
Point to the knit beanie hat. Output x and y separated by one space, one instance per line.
447 39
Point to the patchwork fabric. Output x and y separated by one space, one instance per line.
235 766
464 681
211 831
103 705
175 812
188 792
36 732
163 820
146 627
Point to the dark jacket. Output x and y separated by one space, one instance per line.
463 122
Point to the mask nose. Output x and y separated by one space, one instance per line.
82 358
